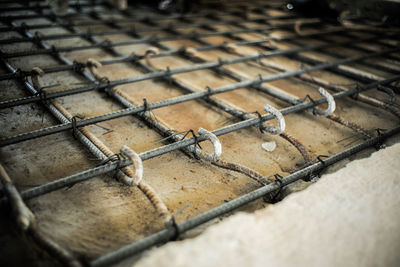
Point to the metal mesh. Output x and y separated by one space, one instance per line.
256 20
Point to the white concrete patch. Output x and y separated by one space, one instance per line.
269 146
348 218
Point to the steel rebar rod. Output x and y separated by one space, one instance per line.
213 64
168 233
175 100
136 57
113 32
122 99
23 73
238 113
53 49
337 70
55 185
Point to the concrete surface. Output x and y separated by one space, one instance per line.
348 218
101 215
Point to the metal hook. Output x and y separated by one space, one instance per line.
331 103
150 51
281 120
215 142
137 162
35 73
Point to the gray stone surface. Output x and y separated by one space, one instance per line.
348 218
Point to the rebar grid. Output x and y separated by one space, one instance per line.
365 82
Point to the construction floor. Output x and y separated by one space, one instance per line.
101 215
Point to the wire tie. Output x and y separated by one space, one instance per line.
19 74
42 95
209 91
312 101
133 57
260 78
106 44
278 180
319 157
88 34
145 105
220 62
358 90
260 55
74 127
177 231
36 37
24 26
196 142
260 126
54 50
114 157
182 50
379 144
78 66
168 75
